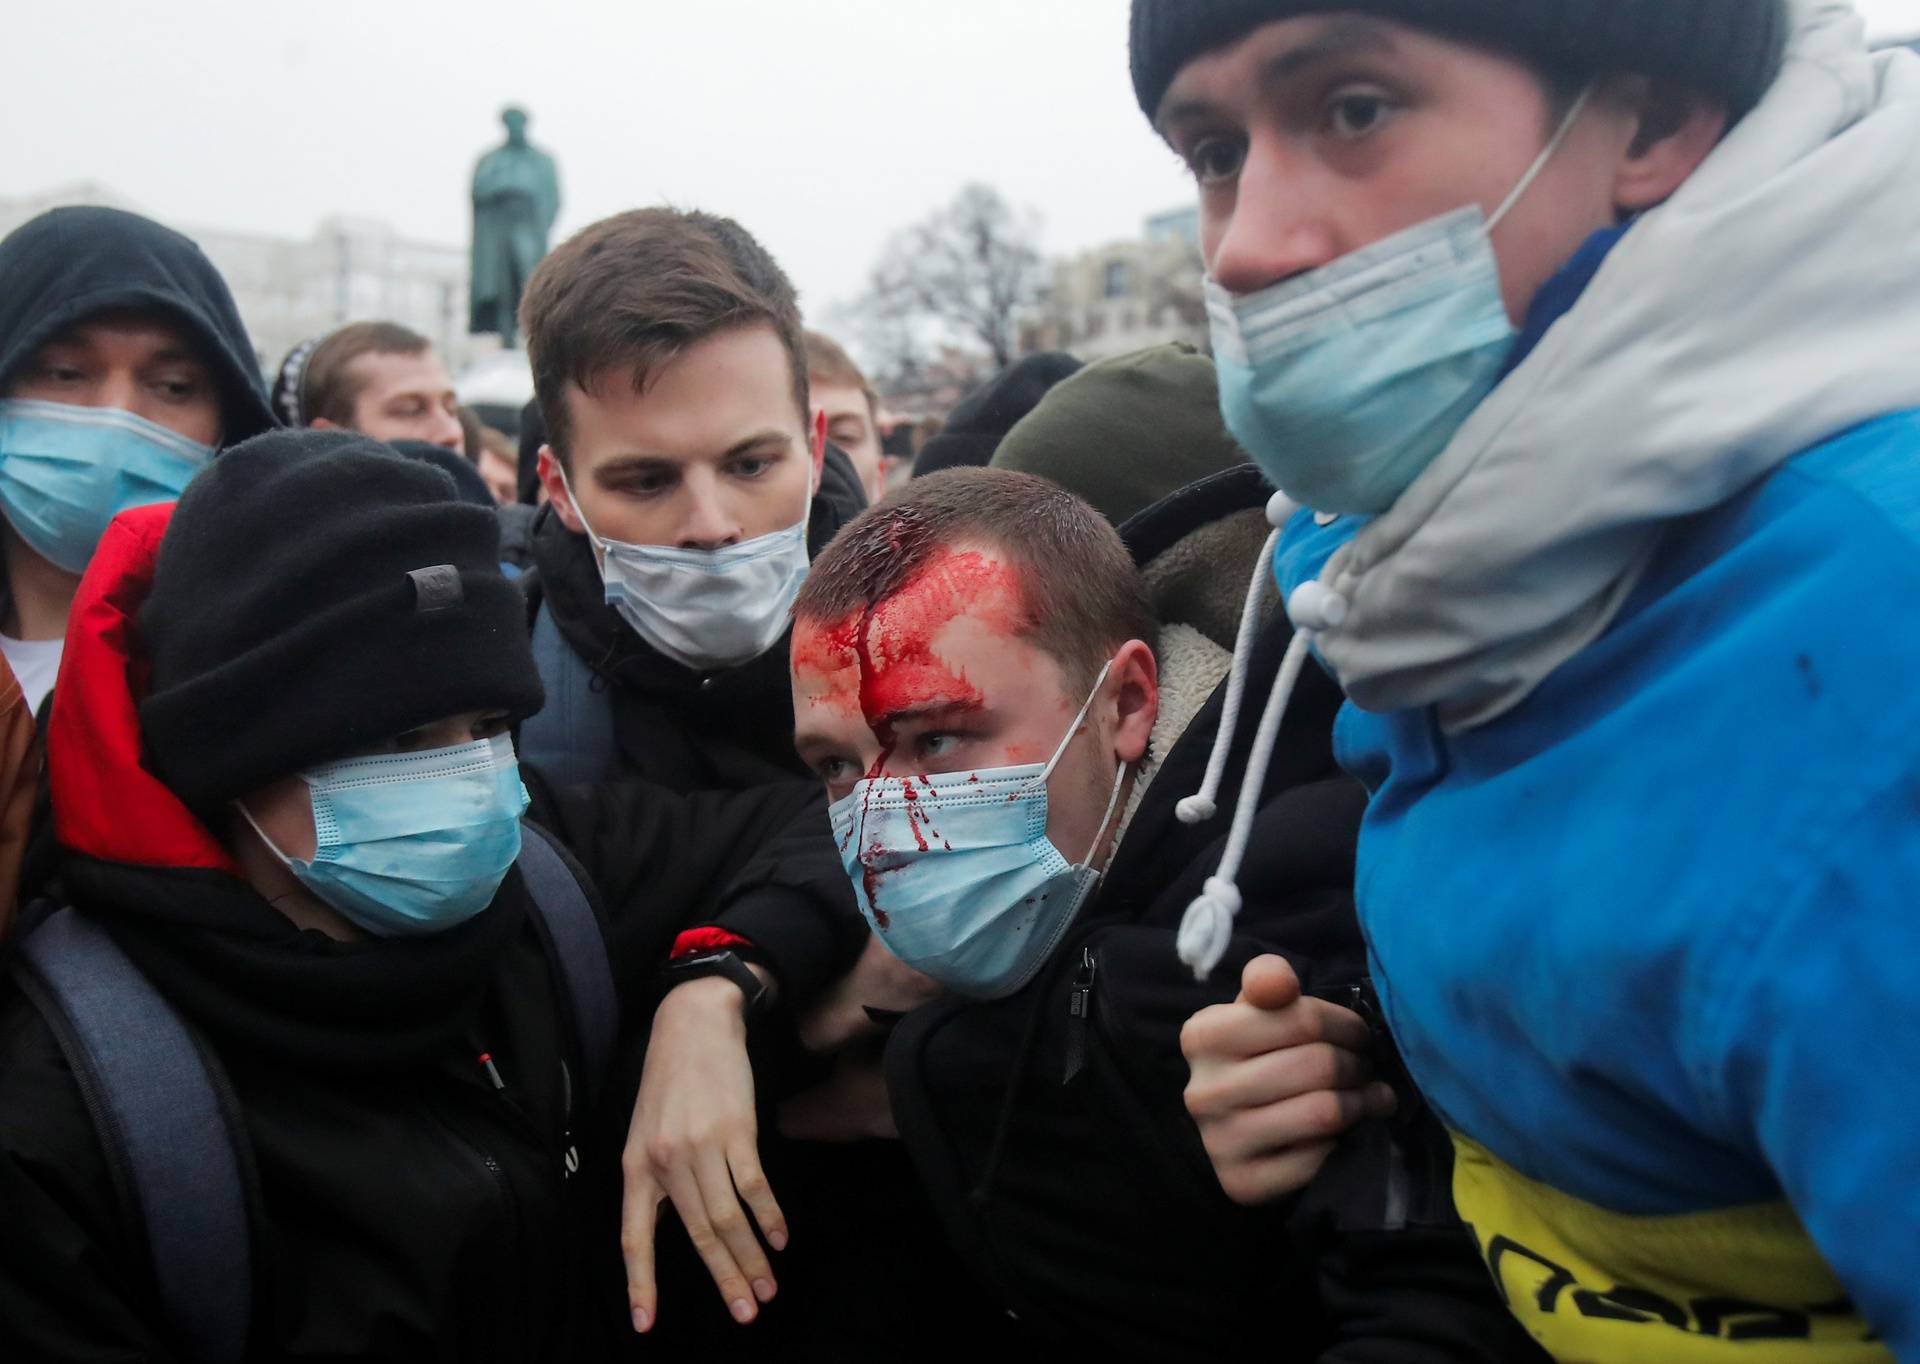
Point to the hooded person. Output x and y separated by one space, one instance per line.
298 818
123 367
1580 498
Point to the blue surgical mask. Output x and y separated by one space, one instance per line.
411 844
706 609
66 471
1344 384
955 872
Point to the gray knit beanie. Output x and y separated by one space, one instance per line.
1727 48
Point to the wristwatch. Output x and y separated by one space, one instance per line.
757 997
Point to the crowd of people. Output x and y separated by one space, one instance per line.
1393 841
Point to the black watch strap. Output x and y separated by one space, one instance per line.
757 997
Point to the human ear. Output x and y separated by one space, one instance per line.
1676 131
819 446
554 483
1135 684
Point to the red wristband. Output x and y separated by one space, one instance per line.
697 940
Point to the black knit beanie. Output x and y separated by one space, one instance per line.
316 593
1727 48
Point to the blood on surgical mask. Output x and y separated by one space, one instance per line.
888 648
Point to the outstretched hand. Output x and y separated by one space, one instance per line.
1276 1078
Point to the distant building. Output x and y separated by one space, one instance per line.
288 289
1125 296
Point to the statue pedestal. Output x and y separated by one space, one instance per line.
497 386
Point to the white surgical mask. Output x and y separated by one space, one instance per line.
706 609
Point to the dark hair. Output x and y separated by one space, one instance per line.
329 390
635 290
1081 594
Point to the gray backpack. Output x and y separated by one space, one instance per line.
165 1117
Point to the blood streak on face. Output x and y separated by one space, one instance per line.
886 660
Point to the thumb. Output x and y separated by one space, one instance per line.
1269 982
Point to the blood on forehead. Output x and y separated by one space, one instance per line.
885 658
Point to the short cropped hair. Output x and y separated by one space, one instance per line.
329 390
829 363
1081 594
634 290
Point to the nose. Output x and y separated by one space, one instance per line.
707 523
1274 232
446 430
119 387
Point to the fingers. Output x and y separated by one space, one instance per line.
639 1213
1269 982
1221 1090
1254 1182
703 1195
1305 1120
751 1182
1239 1030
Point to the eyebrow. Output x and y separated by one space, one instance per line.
636 460
1339 38
932 710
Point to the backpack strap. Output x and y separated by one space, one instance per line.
576 946
155 1103
570 739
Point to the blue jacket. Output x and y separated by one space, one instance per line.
1646 940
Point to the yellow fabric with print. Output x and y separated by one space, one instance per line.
1599 1287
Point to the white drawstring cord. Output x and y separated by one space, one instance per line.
1207 927
1205 804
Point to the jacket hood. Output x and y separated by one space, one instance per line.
1196 550
70 263
1772 303
106 804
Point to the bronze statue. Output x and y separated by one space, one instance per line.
516 196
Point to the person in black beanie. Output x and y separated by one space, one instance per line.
1555 323
285 791
975 427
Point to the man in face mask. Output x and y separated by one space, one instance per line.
688 491
688 488
123 367
1583 328
299 817
1004 750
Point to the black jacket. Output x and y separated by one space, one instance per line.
681 731
70 263
403 1208
1050 1127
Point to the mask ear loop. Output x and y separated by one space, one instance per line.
272 847
1074 728
1113 801
1540 161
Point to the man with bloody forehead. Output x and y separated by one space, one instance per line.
998 720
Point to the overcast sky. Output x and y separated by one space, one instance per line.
820 124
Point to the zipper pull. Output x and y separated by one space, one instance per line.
1079 1010
570 1158
493 1072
